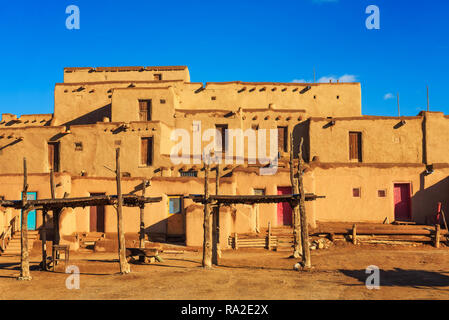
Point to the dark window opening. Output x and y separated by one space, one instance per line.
145 110
355 146
78 146
382 193
146 151
282 139
356 193
158 76
53 156
190 173
222 128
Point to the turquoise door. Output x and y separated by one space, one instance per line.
32 214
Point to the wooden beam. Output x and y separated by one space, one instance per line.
251 199
216 252
44 240
142 217
297 246
307 263
124 266
207 245
437 235
24 254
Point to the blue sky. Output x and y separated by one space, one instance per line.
247 40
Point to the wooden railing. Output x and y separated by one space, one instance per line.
7 234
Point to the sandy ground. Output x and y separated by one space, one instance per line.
339 273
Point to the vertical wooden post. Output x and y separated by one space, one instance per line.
307 263
44 240
56 212
124 266
207 245
354 234
142 218
297 247
235 241
24 256
216 252
437 235
269 236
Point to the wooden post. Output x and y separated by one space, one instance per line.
124 266
437 235
307 263
216 252
207 241
142 218
24 256
235 241
56 213
297 248
354 234
44 240
269 236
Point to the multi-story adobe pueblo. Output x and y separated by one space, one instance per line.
369 167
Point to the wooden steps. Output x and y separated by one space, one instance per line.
14 246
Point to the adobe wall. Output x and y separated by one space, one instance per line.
88 74
437 137
337 181
384 139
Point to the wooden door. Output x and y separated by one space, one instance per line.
96 223
355 146
284 210
175 221
402 202
145 110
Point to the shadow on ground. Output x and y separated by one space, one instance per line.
403 278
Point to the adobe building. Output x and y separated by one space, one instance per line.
370 168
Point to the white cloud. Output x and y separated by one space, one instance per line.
343 78
388 96
327 79
300 81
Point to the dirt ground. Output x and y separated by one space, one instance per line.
339 273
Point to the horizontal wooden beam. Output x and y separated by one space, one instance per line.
251 199
51 204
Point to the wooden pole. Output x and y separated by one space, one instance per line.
207 245
354 234
269 236
307 263
142 218
437 235
56 213
24 257
124 266
297 248
216 252
44 240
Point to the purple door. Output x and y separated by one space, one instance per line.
402 202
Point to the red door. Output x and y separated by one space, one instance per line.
284 209
402 202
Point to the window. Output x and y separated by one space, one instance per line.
146 151
158 76
190 173
213 98
222 128
282 139
175 205
382 193
145 110
53 156
162 101
78 146
259 192
355 146
356 193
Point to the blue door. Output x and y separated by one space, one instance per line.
32 214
